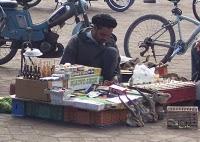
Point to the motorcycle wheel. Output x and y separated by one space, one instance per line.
119 5
7 51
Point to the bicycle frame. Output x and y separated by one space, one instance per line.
182 49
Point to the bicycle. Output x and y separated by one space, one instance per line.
196 9
116 5
161 39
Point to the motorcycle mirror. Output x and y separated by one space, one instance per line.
32 52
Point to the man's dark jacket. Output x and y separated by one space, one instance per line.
83 50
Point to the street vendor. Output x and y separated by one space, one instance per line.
95 46
195 55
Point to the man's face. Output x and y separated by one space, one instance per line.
103 34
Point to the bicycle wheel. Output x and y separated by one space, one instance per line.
147 34
119 5
7 51
196 9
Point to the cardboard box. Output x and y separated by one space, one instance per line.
82 82
32 89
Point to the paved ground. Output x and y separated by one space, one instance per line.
21 130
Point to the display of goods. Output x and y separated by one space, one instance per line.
182 117
77 70
179 91
78 77
172 84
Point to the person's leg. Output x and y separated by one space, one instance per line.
110 63
195 58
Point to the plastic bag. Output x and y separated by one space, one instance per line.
142 74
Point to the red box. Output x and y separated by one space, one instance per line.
183 94
179 91
161 70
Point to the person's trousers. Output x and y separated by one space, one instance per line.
110 64
195 56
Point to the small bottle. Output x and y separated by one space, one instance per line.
35 73
38 73
30 76
24 71
27 72
48 69
44 70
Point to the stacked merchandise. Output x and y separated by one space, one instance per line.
68 79
180 91
70 93
75 77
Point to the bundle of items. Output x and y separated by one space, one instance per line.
149 108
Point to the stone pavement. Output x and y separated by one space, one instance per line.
34 130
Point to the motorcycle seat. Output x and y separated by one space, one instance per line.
8 3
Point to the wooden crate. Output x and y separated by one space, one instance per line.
182 117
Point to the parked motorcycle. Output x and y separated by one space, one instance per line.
16 28
116 5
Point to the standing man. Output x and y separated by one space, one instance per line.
96 47
195 55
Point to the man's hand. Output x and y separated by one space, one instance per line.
197 46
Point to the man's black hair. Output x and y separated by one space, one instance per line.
104 20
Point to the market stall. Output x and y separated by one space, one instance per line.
76 94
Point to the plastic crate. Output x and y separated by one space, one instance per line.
45 111
182 117
76 115
110 117
97 118
18 107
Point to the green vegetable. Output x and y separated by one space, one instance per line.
5 105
